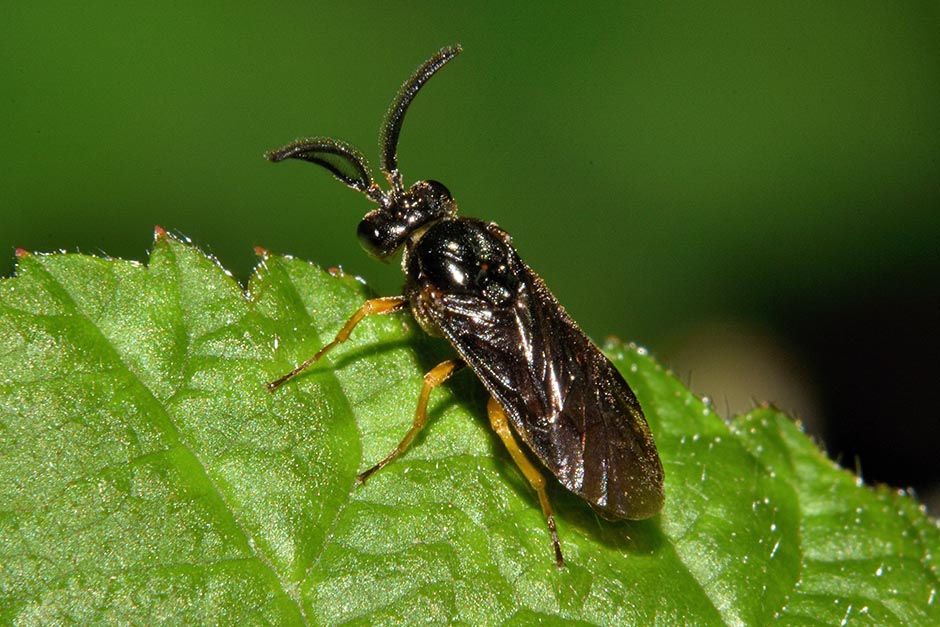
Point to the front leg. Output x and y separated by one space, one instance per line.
375 306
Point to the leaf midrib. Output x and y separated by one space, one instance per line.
63 294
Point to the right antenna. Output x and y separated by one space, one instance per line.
396 113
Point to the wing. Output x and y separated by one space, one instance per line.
564 398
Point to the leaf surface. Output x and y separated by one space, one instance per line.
147 477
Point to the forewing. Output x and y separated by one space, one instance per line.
564 398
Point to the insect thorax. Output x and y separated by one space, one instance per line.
463 260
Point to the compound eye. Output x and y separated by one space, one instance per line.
380 235
438 190
434 197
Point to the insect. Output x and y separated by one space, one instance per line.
549 385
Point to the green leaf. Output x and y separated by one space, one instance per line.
147 477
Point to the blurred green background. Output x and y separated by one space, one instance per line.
751 190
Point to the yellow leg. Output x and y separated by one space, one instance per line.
536 480
437 375
375 306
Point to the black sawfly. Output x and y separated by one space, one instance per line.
549 385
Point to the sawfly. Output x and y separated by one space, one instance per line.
549 385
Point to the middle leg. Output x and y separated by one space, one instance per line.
436 376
